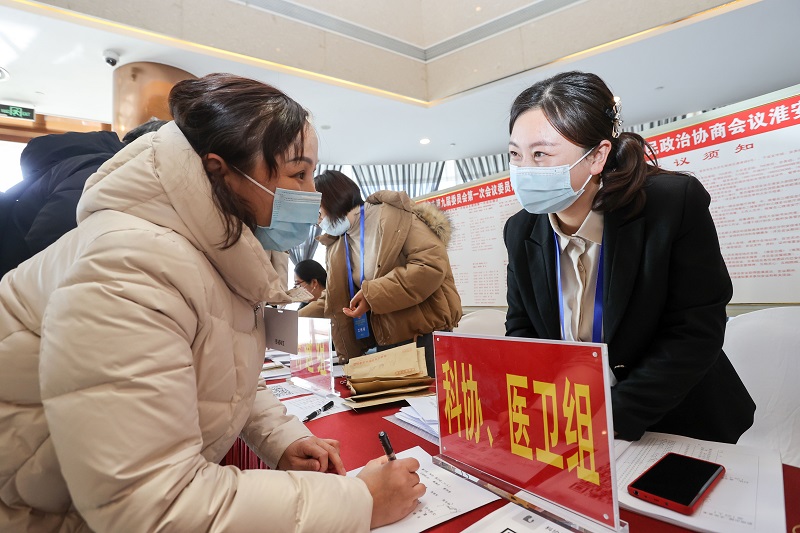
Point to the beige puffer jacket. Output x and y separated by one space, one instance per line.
130 353
413 291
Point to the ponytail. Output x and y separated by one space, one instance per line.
630 162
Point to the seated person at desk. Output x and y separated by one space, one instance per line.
131 348
389 275
611 248
312 277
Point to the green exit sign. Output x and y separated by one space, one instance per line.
13 111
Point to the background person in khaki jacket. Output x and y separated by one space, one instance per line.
408 290
131 348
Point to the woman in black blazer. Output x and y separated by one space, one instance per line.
647 234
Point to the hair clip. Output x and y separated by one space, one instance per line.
616 111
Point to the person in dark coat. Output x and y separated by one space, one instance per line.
36 212
611 248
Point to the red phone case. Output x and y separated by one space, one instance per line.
670 504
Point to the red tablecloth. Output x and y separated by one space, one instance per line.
358 435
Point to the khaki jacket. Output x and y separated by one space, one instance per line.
131 351
413 292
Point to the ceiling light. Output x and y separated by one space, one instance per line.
4 75
477 8
424 141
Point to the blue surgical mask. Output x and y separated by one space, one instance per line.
293 214
543 190
337 228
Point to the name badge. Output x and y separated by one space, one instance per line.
361 326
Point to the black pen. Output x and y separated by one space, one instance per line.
319 411
387 446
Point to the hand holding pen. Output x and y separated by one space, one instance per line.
387 446
393 483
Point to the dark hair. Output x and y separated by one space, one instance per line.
309 269
340 194
238 119
153 124
580 106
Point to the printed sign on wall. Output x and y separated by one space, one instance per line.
477 253
749 162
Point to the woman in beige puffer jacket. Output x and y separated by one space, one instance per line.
131 348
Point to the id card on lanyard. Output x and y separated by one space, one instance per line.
360 323
597 322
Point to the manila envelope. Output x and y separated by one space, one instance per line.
361 386
396 362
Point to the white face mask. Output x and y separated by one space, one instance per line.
337 229
543 190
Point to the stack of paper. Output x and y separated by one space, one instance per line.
274 369
422 413
277 355
387 376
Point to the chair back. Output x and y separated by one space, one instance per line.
483 322
764 348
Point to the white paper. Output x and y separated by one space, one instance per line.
748 499
277 355
286 390
276 372
302 406
513 518
407 414
338 371
413 429
620 446
447 496
417 423
427 407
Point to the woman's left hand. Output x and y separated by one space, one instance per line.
313 453
358 306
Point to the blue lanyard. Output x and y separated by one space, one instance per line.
347 256
597 324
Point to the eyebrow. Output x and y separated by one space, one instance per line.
534 145
301 159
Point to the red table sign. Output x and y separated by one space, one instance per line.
534 414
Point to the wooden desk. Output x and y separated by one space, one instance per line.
358 435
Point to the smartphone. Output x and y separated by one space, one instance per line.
677 482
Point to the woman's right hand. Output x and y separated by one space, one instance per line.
394 486
358 306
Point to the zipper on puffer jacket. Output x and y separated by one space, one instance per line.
255 315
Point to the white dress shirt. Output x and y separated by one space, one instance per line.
580 257
372 242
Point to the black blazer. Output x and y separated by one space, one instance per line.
665 291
